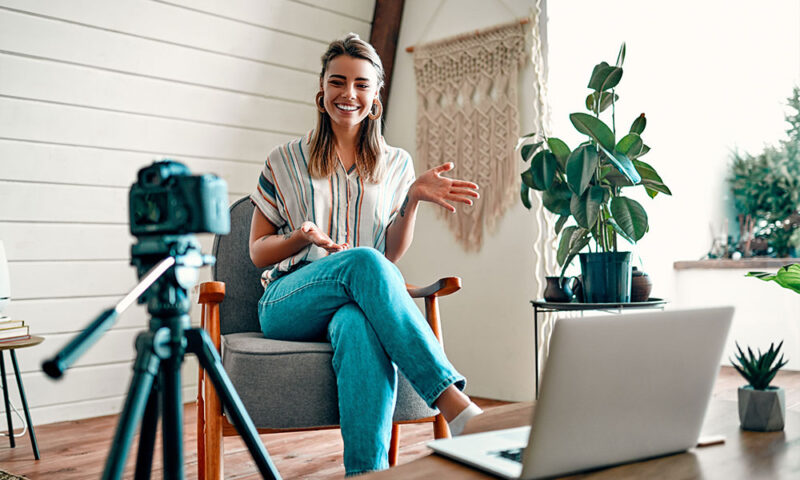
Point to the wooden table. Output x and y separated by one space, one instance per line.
745 455
12 346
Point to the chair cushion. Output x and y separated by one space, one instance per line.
292 384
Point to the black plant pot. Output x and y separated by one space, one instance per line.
606 277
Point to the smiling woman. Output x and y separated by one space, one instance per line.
333 211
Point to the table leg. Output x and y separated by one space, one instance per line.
5 398
25 405
536 347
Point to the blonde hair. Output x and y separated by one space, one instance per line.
369 143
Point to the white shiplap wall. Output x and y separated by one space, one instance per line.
91 91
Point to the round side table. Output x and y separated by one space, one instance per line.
540 307
12 346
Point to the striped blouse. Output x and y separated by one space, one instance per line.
345 206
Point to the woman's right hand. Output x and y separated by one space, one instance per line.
313 234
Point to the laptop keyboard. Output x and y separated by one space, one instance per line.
513 454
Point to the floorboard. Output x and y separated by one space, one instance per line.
77 450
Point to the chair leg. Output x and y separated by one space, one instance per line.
201 428
212 433
440 428
394 445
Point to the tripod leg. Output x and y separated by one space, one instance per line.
200 344
147 437
172 420
144 371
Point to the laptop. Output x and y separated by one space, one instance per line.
615 389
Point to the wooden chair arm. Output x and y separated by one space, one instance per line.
440 288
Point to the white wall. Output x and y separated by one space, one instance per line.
488 325
90 91
711 76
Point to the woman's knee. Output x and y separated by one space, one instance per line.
366 261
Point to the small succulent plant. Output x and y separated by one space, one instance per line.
758 370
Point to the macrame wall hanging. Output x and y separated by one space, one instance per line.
467 114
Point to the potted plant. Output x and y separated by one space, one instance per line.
585 185
766 193
761 407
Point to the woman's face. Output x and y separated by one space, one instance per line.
349 88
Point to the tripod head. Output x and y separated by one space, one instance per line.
167 205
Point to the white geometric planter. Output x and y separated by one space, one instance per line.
762 410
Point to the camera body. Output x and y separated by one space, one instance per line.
168 200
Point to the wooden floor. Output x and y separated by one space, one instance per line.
77 449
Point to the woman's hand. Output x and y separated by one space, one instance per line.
313 234
431 186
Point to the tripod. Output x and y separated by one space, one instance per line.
167 267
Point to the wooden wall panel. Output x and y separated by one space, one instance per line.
291 16
28 35
90 92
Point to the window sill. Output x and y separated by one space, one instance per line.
726 263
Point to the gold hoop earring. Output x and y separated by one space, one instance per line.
320 103
376 115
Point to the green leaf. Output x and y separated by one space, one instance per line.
621 55
787 276
595 128
604 77
630 216
564 244
525 195
527 178
557 198
623 164
528 151
605 101
581 166
560 150
586 208
580 238
650 179
622 233
628 143
645 149
612 176
560 223
638 125
543 170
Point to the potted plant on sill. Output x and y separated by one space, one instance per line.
585 185
762 408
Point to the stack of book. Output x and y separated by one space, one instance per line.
13 330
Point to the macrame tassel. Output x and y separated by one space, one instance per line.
467 114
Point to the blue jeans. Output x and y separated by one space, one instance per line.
357 299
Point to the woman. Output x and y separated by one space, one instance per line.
340 187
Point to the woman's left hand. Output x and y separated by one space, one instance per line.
431 186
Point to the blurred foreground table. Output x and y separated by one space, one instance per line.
744 455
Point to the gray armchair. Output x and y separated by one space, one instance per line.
285 386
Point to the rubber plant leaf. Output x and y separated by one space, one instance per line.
604 77
560 223
638 125
543 170
557 198
593 127
580 238
581 166
525 195
630 143
630 216
651 180
586 208
528 151
564 244
623 164
605 101
560 150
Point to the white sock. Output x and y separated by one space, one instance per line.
457 424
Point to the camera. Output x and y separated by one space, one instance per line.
168 200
